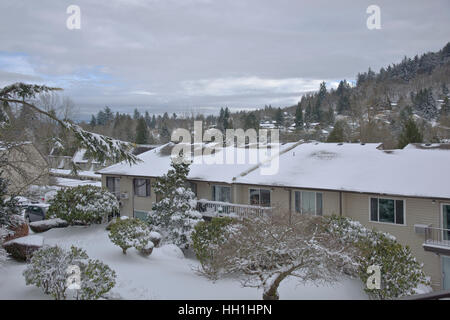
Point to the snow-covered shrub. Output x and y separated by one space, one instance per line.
131 233
97 279
49 270
175 214
267 250
83 204
3 254
45 225
206 239
401 273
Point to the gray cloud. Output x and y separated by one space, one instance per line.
203 54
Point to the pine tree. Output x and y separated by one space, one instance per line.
343 93
250 121
299 117
176 211
148 119
317 111
279 118
93 121
338 132
409 134
425 103
136 114
141 131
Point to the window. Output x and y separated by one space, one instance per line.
308 202
387 210
193 187
221 193
113 185
141 187
260 197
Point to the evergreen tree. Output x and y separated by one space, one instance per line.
298 117
343 93
317 111
176 211
148 119
425 104
93 121
141 131
279 117
109 116
309 114
250 121
409 134
164 133
338 132
136 114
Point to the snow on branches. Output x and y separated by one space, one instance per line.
268 250
99 147
176 211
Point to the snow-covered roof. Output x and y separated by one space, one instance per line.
420 172
156 162
362 168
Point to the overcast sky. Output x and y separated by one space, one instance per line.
199 55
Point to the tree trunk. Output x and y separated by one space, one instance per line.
272 292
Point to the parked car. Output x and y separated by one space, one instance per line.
36 212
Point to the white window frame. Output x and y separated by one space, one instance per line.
259 189
395 211
315 202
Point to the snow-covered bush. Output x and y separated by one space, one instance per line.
50 269
45 225
3 254
401 273
83 204
175 214
131 233
206 239
265 251
97 279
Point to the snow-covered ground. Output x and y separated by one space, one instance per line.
162 275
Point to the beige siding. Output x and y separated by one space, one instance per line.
417 211
354 205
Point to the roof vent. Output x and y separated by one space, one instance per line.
363 144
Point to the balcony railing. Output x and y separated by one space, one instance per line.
437 237
218 209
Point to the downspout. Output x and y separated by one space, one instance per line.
340 203
290 205
132 197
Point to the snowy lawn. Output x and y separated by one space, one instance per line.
163 275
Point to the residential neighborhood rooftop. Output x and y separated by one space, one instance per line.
412 171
